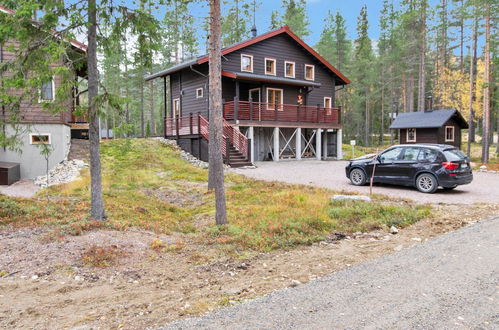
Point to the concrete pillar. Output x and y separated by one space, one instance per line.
251 135
324 145
276 144
318 144
339 144
298 143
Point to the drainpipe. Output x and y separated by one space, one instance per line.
3 106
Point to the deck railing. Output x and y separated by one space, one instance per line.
260 111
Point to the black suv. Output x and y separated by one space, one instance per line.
425 166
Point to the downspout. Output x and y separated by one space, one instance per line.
3 106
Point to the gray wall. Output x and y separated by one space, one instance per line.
32 162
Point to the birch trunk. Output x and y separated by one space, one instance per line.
471 118
486 91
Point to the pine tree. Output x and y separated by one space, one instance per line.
235 24
295 16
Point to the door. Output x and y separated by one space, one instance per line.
409 165
254 96
387 166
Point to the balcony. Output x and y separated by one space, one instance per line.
289 113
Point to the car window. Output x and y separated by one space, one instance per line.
454 155
411 154
428 155
391 155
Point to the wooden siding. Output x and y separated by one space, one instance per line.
188 82
434 135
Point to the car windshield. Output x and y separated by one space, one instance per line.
454 155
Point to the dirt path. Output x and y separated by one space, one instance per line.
45 284
483 189
451 282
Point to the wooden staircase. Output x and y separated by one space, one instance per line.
237 159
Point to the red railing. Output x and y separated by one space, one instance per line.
259 111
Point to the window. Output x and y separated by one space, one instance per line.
246 63
270 66
274 95
327 105
176 107
449 133
199 93
47 91
289 69
309 72
428 155
453 155
411 154
391 155
40 138
411 135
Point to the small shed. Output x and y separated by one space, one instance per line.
431 126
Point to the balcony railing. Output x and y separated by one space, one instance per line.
259 111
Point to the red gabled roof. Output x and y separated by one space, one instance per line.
74 43
287 30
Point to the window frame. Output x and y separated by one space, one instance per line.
40 100
272 106
305 72
294 69
31 135
251 63
453 134
407 135
275 66
202 93
174 101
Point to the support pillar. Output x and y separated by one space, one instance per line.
276 144
318 143
251 136
298 143
324 145
339 144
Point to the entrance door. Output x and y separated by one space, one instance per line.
254 95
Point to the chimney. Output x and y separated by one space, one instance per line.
253 31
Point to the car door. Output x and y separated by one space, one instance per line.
409 165
386 168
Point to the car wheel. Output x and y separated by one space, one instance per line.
357 177
426 183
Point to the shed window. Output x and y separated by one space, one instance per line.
246 63
411 135
289 69
309 72
199 93
270 66
47 91
40 139
449 133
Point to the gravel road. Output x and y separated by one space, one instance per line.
450 282
331 174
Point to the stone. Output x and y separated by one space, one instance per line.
34 277
399 248
351 197
64 172
417 239
294 283
393 230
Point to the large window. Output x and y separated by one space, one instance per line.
289 69
176 107
40 138
270 66
449 133
246 63
274 96
47 91
411 135
309 72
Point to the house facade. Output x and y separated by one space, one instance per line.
37 126
277 92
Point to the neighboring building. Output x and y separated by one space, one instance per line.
37 126
278 101
433 126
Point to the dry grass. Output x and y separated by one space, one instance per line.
101 256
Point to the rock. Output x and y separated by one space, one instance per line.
64 172
483 167
183 154
351 197
393 230
294 283
399 248
417 239
78 278
34 277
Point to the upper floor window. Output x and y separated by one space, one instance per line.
246 63
309 72
289 69
199 93
47 92
449 133
270 66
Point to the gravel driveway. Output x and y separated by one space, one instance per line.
450 282
331 174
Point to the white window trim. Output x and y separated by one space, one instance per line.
202 93
265 66
330 101
259 94
294 69
251 61
407 135
313 72
453 134
173 107
35 134
272 106
53 93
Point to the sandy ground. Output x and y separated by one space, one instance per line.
24 188
46 285
331 174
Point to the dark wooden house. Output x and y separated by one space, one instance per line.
278 101
433 126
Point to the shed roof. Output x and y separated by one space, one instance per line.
428 119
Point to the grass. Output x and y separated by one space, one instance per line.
146 184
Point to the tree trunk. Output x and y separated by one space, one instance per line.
422 56
97 203
153 121
142 121
382 130
486 91
471 118
366 128
474 59
410 94
216 170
